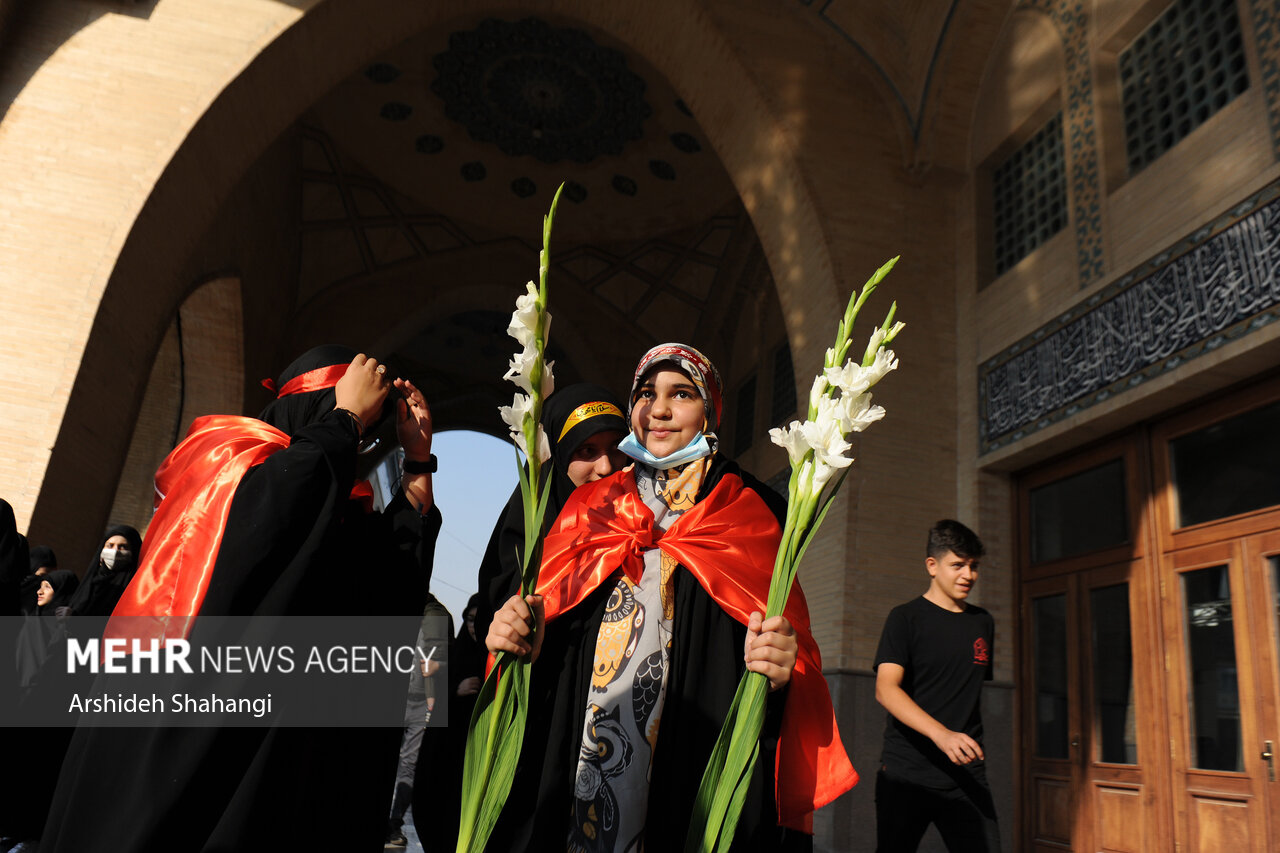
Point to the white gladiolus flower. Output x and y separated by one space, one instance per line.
825 436
548 377
875 342
520 371
812 477
879 336
524 319
544 446
521 367
822 472
851 379
820 386
791 439
885 361
515 414
857 413
804 481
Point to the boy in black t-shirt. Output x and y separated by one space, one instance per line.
934 654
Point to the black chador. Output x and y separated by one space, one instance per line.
698 696
570 416
103 585
294 542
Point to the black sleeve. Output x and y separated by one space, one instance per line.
895 641
413 536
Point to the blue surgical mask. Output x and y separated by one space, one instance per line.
696 449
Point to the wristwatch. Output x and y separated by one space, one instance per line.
414 467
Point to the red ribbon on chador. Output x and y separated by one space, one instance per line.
194 489
728 541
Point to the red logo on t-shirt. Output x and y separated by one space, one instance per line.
980 652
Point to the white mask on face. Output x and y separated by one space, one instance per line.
113 557
696 449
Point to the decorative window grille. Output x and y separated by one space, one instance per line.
745 422
1030 191
783 404
1177 73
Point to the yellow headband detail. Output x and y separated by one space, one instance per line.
588 410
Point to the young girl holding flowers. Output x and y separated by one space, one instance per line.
649 606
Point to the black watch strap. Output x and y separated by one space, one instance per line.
413 467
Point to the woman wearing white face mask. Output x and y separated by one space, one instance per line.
649 607
109 572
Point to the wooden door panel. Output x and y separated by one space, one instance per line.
1053 812
1121 819
1220 824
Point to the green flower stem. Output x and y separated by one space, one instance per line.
467 830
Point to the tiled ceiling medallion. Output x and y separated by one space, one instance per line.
530 89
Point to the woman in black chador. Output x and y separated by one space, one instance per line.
649 607
41 681
110 570
583 423
42 630
43 561
13 565
260 518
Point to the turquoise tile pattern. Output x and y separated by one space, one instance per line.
1071 22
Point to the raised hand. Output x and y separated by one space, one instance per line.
363 388
413 422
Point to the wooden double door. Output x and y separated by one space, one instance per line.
1149 656
1091 755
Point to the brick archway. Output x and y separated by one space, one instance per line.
235 99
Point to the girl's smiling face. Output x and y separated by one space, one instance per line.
595 458
45 594
667 412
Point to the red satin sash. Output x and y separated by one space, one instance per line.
728 541
314 380
194 489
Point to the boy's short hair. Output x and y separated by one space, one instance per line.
948 535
